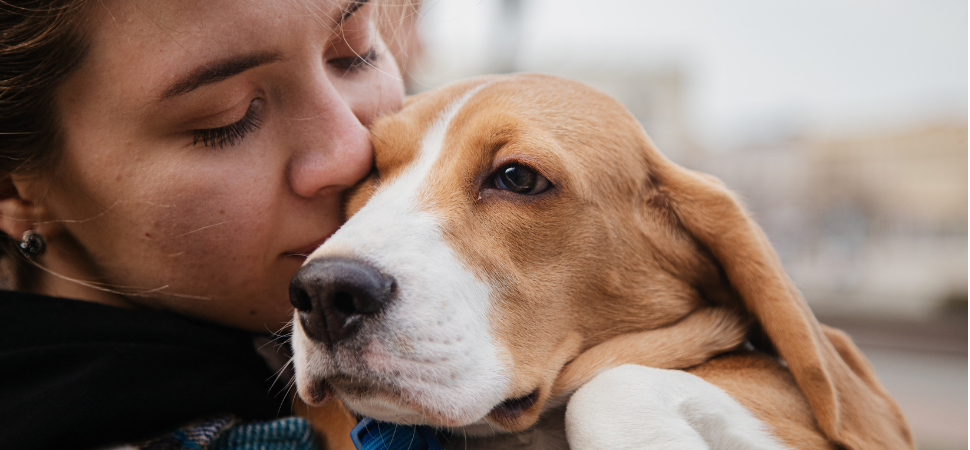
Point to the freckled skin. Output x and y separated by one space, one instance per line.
207 231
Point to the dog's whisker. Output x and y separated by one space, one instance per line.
282 333
279 372
287 393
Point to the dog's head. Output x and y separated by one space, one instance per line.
511 223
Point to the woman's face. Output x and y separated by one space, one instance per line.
207 147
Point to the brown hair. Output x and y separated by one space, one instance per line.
397 23
40 44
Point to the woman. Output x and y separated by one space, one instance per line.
164 161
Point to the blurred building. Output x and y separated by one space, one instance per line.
867 225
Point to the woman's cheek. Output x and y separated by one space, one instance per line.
195 234
215 232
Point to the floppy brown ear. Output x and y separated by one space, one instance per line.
851 406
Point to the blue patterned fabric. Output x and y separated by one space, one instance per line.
228 433
291 433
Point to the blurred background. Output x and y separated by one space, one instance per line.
841 123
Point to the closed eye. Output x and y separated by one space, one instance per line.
233 133
356 63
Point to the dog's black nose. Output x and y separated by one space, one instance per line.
334 294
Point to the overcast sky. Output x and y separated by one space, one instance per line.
827 66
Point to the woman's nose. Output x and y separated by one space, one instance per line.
332 151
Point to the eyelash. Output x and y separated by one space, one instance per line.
356 63
231 134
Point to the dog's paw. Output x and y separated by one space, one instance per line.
644 408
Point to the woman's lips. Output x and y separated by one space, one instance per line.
305 251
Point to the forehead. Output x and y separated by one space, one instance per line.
138 45
182 23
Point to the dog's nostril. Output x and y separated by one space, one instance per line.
375 296
343 302
300 299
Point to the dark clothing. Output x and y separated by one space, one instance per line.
76 374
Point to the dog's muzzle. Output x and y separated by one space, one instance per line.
334 295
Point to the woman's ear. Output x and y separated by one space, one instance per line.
19 209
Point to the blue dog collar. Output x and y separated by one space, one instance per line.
370 434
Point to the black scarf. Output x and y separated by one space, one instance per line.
77 374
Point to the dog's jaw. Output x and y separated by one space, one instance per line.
431 356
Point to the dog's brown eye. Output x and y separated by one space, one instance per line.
521 180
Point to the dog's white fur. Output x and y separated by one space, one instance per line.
644 408
435 343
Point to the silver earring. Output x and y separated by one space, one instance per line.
32 244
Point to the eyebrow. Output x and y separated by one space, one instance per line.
350 10
220 70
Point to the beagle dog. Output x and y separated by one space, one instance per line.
523 269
